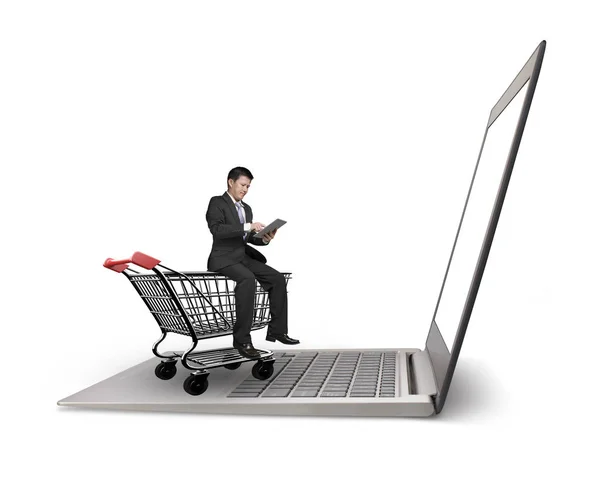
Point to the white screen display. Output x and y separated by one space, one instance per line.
478 212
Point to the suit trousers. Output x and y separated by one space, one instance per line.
244 274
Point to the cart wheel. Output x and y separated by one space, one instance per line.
195 384
233 366
262 370
166 370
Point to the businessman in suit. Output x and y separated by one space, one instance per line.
231 225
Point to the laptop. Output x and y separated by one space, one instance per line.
360 382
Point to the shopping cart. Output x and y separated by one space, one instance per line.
199 305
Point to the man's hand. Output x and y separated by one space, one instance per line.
256 227
269 236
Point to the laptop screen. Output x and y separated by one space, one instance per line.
478 223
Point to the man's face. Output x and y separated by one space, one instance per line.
239 187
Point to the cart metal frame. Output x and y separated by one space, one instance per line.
200 305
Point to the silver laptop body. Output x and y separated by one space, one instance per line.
356 382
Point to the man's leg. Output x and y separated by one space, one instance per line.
273 282
244 300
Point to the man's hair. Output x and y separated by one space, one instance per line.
239 171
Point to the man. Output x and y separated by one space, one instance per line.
230 222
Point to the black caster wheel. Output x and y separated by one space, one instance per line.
232 366
166 370
262 370
195 384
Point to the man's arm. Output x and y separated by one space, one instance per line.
266 239
252 239
254 228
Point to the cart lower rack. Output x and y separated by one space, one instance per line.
199 305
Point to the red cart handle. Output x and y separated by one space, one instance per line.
140 259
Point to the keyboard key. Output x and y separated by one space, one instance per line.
276 393
281 386
305 393
247 387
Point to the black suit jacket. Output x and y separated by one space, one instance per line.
229 246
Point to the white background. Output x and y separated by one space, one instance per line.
361 122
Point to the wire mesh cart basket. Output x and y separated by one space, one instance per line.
200 305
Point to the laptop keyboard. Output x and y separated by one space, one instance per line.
330 374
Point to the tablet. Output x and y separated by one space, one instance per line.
273 226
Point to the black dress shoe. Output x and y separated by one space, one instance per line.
246 350
282 338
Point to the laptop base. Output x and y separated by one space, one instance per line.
138 389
